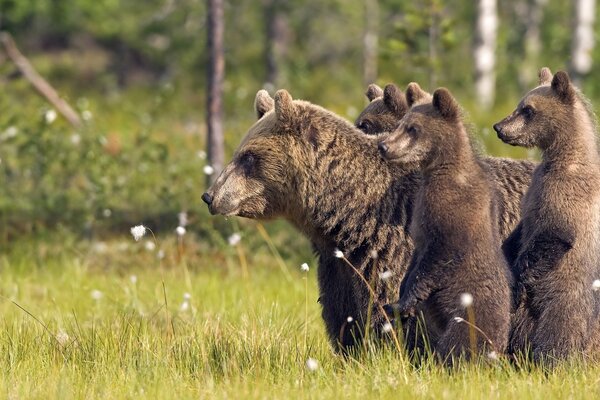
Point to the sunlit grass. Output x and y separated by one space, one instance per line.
240 336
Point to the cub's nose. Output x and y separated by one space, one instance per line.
498 128
207 198
383 149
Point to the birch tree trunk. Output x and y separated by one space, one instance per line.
370 42
530 14
484 52
583 39
214 101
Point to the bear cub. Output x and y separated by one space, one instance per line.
555 249
458 277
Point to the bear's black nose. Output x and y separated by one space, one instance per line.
207 198
498 128
383 149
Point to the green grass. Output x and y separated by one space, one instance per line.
242 337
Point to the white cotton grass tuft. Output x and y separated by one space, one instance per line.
208 169
180 230
466 299
312 364
459 320
596 285
338 253
492 355
62 338
138 232
133 279
349 319
150 245
304 267
160 254
234 239
387 327
374 255
183 218
50 116
385 275
185 305
96 294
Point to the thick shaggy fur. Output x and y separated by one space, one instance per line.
454 228
555 250
299 162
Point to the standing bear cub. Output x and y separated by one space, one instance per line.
556 247
457 259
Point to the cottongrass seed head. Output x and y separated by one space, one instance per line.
138 232
234 239
596 285
387 327
62 338
466 300
180 230
349 319
385 275
96 294
338 253
304 267
493 356
208 169
458 320
312 364
133 279
50 116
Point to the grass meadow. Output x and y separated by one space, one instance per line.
174 318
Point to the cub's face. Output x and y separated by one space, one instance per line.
539 114
424 133
412 141
384 112
530 123
376 118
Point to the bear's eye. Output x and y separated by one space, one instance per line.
528 112
247 162
365 126
412 130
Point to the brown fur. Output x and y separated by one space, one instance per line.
556 246
454 228
511 177
298 162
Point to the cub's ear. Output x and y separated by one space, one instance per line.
445 104
561 85
414 94
373 92
545 76
263 103
284 106
395 100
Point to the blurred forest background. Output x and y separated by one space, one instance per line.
137 75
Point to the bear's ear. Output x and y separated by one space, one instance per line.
263 103
414 94
445 104
395 100
373 92
545 76
561 85
284 106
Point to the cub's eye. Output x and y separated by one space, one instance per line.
365 126
528 112
247 161
412 130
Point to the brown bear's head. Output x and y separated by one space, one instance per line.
540 112
385 110
425 132
272 161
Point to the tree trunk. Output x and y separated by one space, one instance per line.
214 101
530 13
583 39
485 52
276 41
370 42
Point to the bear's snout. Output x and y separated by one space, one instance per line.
207 198
498 128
